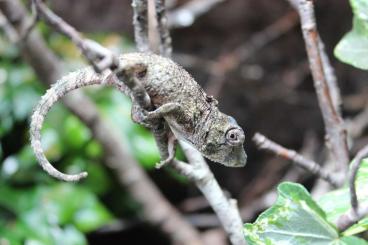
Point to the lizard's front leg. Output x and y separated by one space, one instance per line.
171 147
150 119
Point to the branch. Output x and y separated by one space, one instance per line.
99 57
321 71
129 172
199 172
350 218
309 165
226 209
356 213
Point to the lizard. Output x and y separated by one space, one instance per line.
191 114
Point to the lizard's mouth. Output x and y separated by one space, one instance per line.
236 158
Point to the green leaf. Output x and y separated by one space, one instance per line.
294 219
353 47
336 203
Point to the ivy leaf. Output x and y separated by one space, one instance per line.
353 47
295 218
336 203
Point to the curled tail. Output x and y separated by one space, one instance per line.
75 80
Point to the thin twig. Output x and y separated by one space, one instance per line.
7 28
30 25
140 23
334 124
90 49
350 218
309 165
354 167
163 29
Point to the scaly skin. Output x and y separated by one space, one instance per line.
196 118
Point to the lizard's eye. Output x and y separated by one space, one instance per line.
235 136
141 74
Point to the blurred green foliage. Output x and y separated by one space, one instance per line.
34 208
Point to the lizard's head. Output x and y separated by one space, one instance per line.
224 140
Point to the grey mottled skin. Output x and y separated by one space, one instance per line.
193 117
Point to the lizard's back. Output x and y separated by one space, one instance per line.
167 82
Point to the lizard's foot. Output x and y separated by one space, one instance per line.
171 146
139 116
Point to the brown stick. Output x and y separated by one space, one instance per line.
309 165
334 124
355 165
155 207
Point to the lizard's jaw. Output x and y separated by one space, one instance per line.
236 158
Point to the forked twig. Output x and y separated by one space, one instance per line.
321 71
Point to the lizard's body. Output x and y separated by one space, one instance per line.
165 83
195 118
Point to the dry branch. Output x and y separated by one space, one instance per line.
309 165
325 90
225 208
